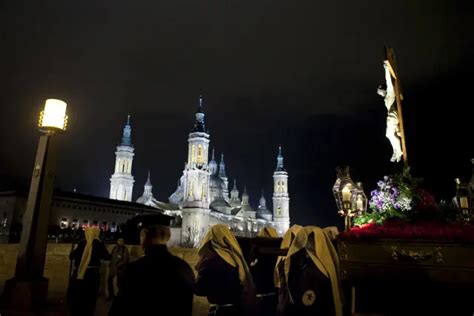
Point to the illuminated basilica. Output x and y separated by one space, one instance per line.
202 196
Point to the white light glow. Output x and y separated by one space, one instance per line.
359 203
54 114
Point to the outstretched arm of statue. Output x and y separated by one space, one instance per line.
390 93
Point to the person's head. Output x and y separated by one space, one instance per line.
120 242
220 240
155 229
154 235
268 232
290 236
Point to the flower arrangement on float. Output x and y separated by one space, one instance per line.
401 208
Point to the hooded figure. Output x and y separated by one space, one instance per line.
285 244
261 268
311 272
279 270
84 286
120 257
268 232
223 275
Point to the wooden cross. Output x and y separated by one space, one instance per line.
392 66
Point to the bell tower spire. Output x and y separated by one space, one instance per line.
196 182
121 182
279 166
223 176
199 125
127 133
281 198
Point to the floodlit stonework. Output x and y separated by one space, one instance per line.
202 197
121 182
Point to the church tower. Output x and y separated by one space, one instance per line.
234 196
196 176
262 211
147 198
248 211
121 182
281 198
223 176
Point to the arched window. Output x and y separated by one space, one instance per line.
193 153
279 210
199 156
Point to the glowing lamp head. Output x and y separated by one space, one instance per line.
343 191
53 117
463 198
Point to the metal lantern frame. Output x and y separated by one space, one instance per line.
344 189
463 198
359 200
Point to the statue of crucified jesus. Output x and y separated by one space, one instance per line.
393 129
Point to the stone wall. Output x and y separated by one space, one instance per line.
58 265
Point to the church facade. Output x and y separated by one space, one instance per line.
202 197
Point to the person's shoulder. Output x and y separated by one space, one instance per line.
181 265
137 265
175 260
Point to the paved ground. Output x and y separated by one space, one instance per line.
200 306
58 307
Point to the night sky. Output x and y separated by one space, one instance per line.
302 74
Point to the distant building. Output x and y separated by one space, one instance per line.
121 182
69 210
201 198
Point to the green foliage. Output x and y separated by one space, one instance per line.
399 197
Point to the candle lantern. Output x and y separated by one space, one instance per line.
463 197
359 200
343 191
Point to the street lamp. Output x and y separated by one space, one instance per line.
53 118
28 289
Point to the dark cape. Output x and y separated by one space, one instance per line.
262 270
82 294
219 282
309 289
157 283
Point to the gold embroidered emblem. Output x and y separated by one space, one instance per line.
308 298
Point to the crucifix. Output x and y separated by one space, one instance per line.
392 94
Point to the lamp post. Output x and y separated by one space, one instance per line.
28 289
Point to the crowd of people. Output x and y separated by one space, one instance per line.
298 278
